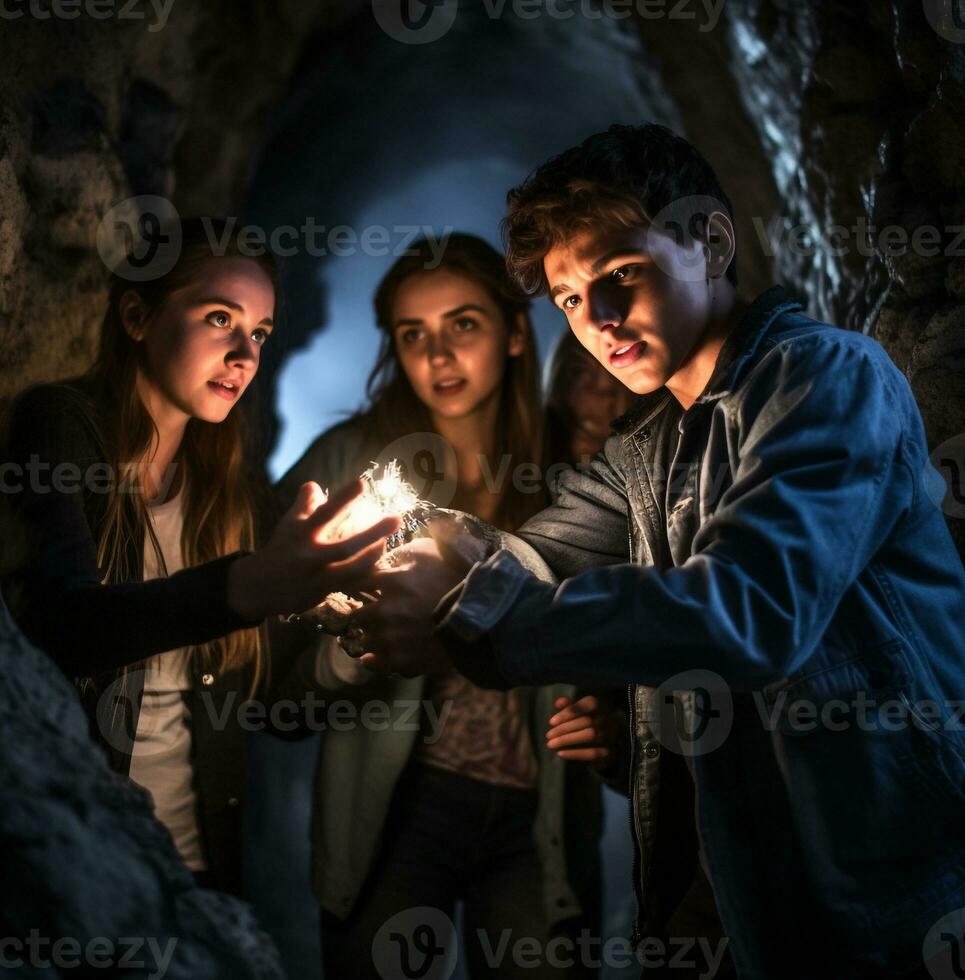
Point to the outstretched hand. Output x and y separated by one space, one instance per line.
297 568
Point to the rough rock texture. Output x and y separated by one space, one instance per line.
83 857
95 111
860 108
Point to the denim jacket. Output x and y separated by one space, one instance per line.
771 564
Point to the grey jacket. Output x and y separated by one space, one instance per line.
771 573
359 766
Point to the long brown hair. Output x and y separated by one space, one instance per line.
218 470
394 408
570 359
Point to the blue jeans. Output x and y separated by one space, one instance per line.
449 838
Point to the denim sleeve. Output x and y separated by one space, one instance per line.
587 526
818 486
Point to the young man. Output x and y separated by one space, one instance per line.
755 553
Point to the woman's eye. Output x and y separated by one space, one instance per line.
570 303
219 318
464 324
410 336
261 335
621 273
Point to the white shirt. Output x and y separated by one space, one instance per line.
161 761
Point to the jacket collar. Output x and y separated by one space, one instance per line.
735 355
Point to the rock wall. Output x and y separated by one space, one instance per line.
94 111
103 867
860 108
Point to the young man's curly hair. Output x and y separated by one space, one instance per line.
625 176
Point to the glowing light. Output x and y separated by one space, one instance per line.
387 495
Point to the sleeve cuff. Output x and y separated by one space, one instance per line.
465 616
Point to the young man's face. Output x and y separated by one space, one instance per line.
636 300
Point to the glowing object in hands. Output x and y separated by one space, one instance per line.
388 495
385 496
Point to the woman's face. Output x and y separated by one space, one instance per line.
201 349
594 400
452 342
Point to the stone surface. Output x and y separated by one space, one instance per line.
84 858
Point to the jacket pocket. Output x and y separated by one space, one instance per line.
876 799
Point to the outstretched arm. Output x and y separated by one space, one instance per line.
819 484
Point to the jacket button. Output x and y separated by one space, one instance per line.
651 750
232 801
207 679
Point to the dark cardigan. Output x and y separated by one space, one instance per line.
93 630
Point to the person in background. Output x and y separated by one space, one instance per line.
474 806
582 401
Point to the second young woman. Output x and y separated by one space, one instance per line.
470 804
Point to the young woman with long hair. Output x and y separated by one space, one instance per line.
469 804
129 544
